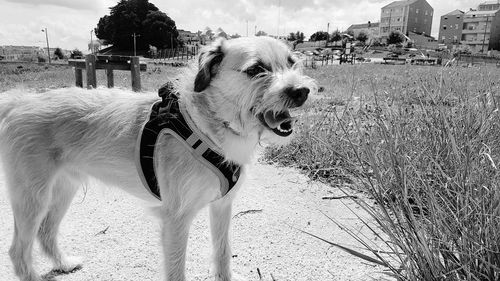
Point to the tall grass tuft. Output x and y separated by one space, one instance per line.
429 158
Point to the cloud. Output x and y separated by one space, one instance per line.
72 4
70 21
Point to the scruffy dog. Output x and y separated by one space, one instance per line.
238 95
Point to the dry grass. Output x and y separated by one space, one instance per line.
42 77
424 143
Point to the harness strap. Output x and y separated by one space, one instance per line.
167 117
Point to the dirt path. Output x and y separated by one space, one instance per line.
263 240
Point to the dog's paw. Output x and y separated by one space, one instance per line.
69 265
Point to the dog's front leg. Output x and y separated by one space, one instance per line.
220 218
175 233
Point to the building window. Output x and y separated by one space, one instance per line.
443 38
417 10
456 26
444 27
445 18
426 13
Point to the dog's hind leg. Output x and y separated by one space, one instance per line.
220 219
63 191
30 194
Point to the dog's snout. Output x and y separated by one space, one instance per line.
298 95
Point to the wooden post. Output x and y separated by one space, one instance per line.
111 78
90 68
135 71
78 77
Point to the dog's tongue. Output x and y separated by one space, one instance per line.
273 120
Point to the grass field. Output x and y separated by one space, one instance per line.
421 141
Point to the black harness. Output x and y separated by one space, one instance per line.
169 117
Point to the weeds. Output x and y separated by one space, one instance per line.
426 149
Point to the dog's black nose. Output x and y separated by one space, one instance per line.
298 95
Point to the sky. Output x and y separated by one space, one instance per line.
69 22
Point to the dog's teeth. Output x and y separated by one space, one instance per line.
284 131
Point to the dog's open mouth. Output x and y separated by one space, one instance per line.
281 123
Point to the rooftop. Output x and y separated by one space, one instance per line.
490 2
456 12
400 3
470 13
364 25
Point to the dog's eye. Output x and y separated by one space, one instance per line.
255 70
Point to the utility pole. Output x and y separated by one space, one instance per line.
247 28
327 34
279 18
484 36
47 38
91 43
134 35
390 19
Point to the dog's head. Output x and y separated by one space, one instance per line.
251 84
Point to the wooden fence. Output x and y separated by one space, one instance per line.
478 60
178 54
315 61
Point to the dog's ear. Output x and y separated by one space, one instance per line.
209 61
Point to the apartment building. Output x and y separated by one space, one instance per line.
489 6
24 53
481 30
406 16
450 29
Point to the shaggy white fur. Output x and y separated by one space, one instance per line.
238 95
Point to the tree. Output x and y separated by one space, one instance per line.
221 33
362 37
336 36
296 38
300 36
160 30
209 33
261 33
395 37
59 53
234 36
151 26
350 32
76 54
319 36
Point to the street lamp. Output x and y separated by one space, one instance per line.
47 38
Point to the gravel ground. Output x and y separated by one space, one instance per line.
120 241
